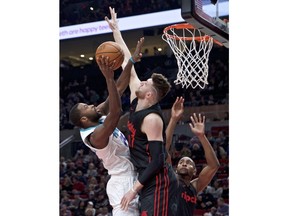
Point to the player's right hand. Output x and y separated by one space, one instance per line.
113 23
105 66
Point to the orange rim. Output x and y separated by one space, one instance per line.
187 26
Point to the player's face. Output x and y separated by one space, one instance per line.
90 111
186 166
145 87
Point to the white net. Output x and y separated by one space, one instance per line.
191 48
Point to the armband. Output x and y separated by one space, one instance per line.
131 59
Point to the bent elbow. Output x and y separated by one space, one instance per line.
216 166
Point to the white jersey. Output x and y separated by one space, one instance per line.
115 156
116 159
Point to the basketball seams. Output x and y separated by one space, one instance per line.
113 50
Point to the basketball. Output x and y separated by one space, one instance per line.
113 51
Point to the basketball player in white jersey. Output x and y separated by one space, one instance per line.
99 133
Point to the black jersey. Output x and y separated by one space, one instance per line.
186 201
137 140
158 196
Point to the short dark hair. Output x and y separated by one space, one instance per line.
161 84
75 116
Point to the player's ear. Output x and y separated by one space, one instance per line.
83 119
149 93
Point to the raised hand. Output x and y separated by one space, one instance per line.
105 66
177 109
137 55
197 126
113 23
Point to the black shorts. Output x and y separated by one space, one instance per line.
158 197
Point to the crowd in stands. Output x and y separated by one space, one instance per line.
83 178
74 12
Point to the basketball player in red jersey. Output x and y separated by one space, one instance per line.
189 186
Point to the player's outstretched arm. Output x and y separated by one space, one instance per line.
113 24
176 113
99 138
197 126
124 78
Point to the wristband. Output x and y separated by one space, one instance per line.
131 59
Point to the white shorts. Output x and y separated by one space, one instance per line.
117 187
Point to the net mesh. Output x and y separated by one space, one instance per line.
191 49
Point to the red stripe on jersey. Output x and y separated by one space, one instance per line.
159 195
166 191
148 153
155 196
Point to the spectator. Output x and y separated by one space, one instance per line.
197 152
216 190
223 208
64 211
80 210
91 171
90 210
205 200
212 212
78 186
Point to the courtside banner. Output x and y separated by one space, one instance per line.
133 22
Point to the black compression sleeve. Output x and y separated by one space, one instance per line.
157 153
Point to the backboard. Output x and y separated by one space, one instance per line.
209 16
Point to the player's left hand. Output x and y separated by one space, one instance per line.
197 126
177 109
137 55
127 198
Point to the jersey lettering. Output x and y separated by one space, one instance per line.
117 133
188 198
131 136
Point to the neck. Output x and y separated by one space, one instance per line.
91 124
144 103
185 178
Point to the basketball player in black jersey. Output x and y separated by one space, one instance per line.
189 186
157 181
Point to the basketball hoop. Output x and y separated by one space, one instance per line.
192 58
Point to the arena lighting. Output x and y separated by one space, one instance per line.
133 22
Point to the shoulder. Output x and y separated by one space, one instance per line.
193 183
153 118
